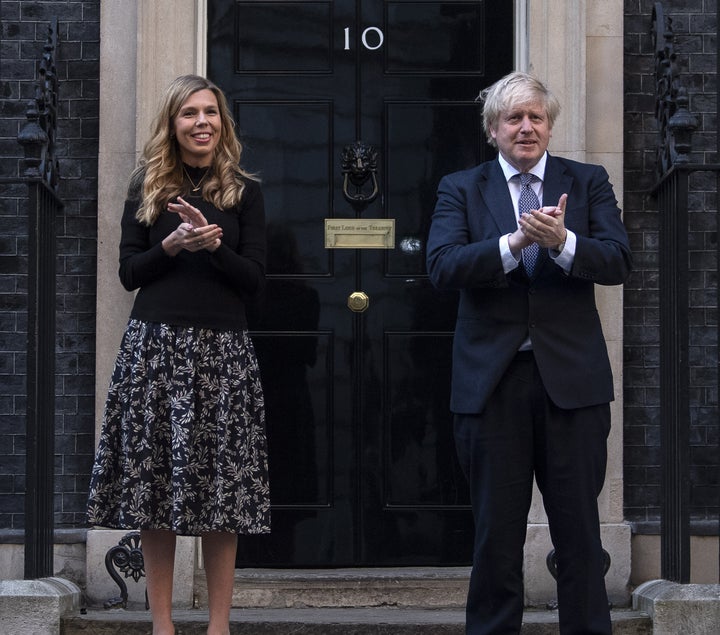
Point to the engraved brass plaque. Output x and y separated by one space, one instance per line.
361 233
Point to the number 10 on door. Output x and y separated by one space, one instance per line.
372 38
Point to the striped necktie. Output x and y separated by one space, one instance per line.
528 201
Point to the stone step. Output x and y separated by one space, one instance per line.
329 621
371 601
402 587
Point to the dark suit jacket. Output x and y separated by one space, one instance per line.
497 311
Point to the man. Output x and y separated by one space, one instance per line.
531 379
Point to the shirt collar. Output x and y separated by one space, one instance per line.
510 171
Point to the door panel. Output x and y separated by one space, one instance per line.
290 143
282 37
362 460
433 37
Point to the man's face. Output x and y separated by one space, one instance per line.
522 134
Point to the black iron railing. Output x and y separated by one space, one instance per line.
674 172
39 171
41 174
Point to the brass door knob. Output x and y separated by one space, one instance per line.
358 301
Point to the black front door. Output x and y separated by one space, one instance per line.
362 462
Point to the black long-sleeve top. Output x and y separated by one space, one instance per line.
202 289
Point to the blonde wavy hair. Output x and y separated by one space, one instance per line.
158 177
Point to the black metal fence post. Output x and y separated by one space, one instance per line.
674 373
41 174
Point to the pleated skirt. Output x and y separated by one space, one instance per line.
183 444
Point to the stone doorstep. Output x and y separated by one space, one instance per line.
407 587
393 601
391 588
336 621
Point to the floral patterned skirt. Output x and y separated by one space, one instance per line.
183 444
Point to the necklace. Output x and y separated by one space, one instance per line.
196 186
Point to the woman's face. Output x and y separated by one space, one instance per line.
197 127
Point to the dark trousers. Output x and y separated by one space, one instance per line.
519 434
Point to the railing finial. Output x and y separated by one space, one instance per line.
675 122
38 134
681 126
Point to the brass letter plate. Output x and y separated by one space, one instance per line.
361 233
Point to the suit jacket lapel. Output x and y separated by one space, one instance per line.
494 190
556 182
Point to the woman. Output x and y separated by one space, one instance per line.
183 448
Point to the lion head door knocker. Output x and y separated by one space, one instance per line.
359 166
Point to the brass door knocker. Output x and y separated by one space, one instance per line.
359 165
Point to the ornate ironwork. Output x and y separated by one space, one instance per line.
359 165
551 562
127 556
672 191
38 134
675 123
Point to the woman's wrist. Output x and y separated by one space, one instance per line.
170 246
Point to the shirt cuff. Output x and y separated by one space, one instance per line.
509 262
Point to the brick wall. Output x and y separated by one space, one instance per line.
23 32
695 28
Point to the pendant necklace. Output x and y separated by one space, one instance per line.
196 187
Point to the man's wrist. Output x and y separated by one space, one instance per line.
561 244
515 245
